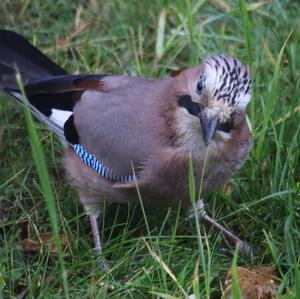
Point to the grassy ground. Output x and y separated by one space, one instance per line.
152 38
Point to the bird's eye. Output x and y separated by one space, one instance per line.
200 87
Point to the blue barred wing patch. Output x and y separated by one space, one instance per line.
91 161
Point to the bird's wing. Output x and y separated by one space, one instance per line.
119 119
52 98
123 125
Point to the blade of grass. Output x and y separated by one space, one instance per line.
44 181
297 281
270 102
166 268
273 253
190 21
6 182
195 283
236 292
289 244
196 215
142 205
160 37
183 22
247 30
245 207
248 37
173 235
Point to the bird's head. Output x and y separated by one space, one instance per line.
214 92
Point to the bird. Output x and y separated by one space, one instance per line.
121 133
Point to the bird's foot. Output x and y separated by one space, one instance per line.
244 248
103 264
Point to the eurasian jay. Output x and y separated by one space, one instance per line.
120 132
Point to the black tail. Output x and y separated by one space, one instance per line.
51 91
17 53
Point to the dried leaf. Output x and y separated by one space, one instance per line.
45 239
258 283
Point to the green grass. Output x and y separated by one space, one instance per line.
156 251
46 187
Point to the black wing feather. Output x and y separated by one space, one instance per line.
47 85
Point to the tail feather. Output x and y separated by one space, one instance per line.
51 91
17 52
54 125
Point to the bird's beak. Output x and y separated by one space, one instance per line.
209 126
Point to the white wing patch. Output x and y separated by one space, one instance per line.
60 116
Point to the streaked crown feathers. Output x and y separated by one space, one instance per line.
228 80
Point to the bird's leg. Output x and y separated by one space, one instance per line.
244 247
96 234
103 264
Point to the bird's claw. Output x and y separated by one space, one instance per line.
244 249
